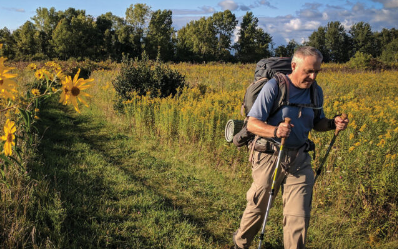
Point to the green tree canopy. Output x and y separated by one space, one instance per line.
362 38
159 37
253 43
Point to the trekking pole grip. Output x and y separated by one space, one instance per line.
287 121
343 116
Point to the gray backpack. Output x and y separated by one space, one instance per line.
266 69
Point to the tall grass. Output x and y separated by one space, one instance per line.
354 203
357 188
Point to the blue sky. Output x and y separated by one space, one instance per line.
282 19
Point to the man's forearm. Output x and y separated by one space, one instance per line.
325 125
260 128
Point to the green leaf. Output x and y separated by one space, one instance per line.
5 158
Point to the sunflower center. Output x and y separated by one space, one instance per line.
75 91
9 138
1 81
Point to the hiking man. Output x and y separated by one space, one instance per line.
296 176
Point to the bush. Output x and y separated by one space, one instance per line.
363 61
145 76
360 61
390 54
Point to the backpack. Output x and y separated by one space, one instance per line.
266 69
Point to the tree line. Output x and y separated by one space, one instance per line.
74 34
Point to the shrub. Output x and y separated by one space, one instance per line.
145 76
363 61
360 61
390 54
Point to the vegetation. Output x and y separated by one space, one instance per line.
162 176
142 77
73 34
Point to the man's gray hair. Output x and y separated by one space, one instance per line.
305 51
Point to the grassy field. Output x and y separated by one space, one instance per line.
162 176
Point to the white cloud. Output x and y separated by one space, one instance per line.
208 9
244 8
228 5
388 4
382 16
312 25
308 13
14 9
294 24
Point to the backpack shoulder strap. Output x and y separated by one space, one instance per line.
283 92
315 99
251 94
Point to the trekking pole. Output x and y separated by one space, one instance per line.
278 162
318 171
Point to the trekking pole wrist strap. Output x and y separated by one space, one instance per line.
331 124
275 131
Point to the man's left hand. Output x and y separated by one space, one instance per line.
341 124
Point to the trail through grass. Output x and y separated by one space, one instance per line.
114 191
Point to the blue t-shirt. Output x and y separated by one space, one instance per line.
303 123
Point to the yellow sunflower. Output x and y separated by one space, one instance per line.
35 92
32 66
7 86
72 90
9 137
41 74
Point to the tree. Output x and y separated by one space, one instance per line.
45 21
253 42
62 40
75 35
224 24
137 16
318 40
26 41
337 42
159 37
291 47
281 51
197 41
390 54
362 38
383 38
7 39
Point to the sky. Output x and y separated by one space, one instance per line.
284 20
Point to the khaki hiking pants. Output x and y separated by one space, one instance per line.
296 185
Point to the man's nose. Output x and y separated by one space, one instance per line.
313 76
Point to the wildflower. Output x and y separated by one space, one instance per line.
362 128
60 75
35 92
351 148
7 86
32 66
382 143
9 137
72 90
39 74
351 136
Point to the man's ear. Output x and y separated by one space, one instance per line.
294 64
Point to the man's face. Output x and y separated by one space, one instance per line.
305 71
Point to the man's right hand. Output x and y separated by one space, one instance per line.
284 130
